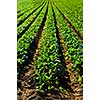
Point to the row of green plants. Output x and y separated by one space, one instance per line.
23 5
73 10
32 6
21 12
48 66
27 38
28 14
73 43
28 20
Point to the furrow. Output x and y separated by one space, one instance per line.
34 44
62 49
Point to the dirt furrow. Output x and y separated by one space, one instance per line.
65 78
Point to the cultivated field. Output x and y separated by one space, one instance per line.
49 50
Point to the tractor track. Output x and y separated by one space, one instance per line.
70 24
20 22
27 27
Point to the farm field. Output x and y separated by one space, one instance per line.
49 50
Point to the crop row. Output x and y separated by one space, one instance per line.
73 44
27 14
28 37
28 9
24 4
27 23
73 10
